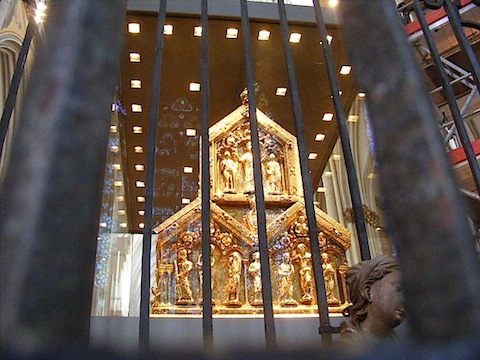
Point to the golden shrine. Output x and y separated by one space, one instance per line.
236 279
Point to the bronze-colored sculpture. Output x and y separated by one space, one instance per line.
285 277
183 266
377 303
247 162
254 270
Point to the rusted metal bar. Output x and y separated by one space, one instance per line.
344 137
450 96
205 182
50 198
144 323
423 205
325 327
267 297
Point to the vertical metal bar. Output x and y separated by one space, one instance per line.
344 137
325 327
270 336
15 84
455 23
144 323
424 208
450 95
205 183
51 195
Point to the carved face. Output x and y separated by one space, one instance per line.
386 300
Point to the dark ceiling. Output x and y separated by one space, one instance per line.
181 109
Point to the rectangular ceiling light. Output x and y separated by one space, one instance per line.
319 137
137 130
329 39
263 35
281 91
120 198
295 38
114 148
113 128
191 132
121 212
134 28
141 225
185 201
134 57
138 149
327 117
141 212
116 166
118 183
136 84
103 224
194 86
168 29
345 70
361 94
188 169
139 167
140 184
312 156
137 108
141 199
321 189
197 31
232 33
123 225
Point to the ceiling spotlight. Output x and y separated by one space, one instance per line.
197 31
281 91
263 35
141 225
140 184
136 84
168 29
312 156
319 137
134 57
118 183
188 169
138 149
139 167
194 86
190 132
113 128
141 199
137 130
345 70
116 166
321 189
295 38
185 201
134 28
327 117
232 33
136 108
141 212
361 94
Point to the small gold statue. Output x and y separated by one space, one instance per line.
254 270
183 266
233 283
285 277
